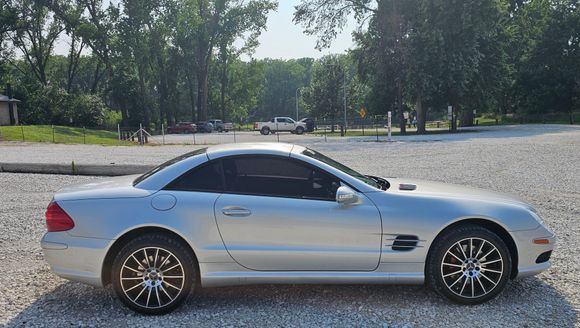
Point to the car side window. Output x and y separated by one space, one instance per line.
205 178
278 177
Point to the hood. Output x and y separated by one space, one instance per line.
116 187
444 190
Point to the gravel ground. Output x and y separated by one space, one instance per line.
540 164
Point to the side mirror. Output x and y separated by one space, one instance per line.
346 196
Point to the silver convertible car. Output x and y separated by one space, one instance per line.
285 214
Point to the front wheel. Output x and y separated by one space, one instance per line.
469 265
299 130
153 274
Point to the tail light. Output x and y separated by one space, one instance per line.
255 125
57 219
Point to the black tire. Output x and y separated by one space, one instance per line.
220 130
299 130
165 295
473 276
265 131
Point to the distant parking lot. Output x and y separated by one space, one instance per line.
536 163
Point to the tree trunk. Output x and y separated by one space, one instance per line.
202 96
402 121
454 118
421 117
191 96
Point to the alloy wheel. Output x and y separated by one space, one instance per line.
152 277
472 267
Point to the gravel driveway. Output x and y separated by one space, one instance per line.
540 165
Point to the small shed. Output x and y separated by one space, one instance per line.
8 110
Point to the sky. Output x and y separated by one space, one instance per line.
283 39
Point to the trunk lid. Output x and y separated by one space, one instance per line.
115 187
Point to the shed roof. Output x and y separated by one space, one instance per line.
4 98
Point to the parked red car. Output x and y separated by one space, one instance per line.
182 128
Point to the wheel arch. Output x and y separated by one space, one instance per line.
490 225
127 236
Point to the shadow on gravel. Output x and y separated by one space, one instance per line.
526 303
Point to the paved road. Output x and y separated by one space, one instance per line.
539 164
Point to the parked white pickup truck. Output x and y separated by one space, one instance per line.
280 124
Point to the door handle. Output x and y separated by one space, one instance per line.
236 211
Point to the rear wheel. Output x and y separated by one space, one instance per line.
153 274
469 265
265 131
220 130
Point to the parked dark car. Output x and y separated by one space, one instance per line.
310 125
182 127
204 127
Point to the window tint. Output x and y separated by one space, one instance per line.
281 120
278 176
169 163
207 178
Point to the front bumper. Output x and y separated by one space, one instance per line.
529 253
75 258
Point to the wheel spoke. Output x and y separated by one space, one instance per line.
488 253
130 289
490 270
486 277
470 247
148 297
124 266
481 284
463 288
445 276
173 277
132 278
173 267
472 287
462 251
166 293
146 257
456 281
171 285
155 260
480 248
453 265
490 262
136 298
162 264
140 264
157 294
457 257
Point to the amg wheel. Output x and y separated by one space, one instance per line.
153 274
469 265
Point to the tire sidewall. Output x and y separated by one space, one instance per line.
434 276
299 130
162 241
265 131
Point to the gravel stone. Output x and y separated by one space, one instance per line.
540 164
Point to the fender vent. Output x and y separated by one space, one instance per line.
405 243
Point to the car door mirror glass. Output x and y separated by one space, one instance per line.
346 196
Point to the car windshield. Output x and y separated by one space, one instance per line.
327 160
169 163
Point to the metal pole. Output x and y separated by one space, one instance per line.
297 104
22 129
389 125
194 139
53 133
234 129
141 134
119 132
163 132
344 86
84 135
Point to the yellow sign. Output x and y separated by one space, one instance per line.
362 113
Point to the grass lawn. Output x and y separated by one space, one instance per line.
62 134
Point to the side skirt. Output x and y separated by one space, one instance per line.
228 276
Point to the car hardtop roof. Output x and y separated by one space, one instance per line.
266 148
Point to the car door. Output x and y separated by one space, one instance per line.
280 214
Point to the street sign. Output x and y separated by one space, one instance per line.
362 113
